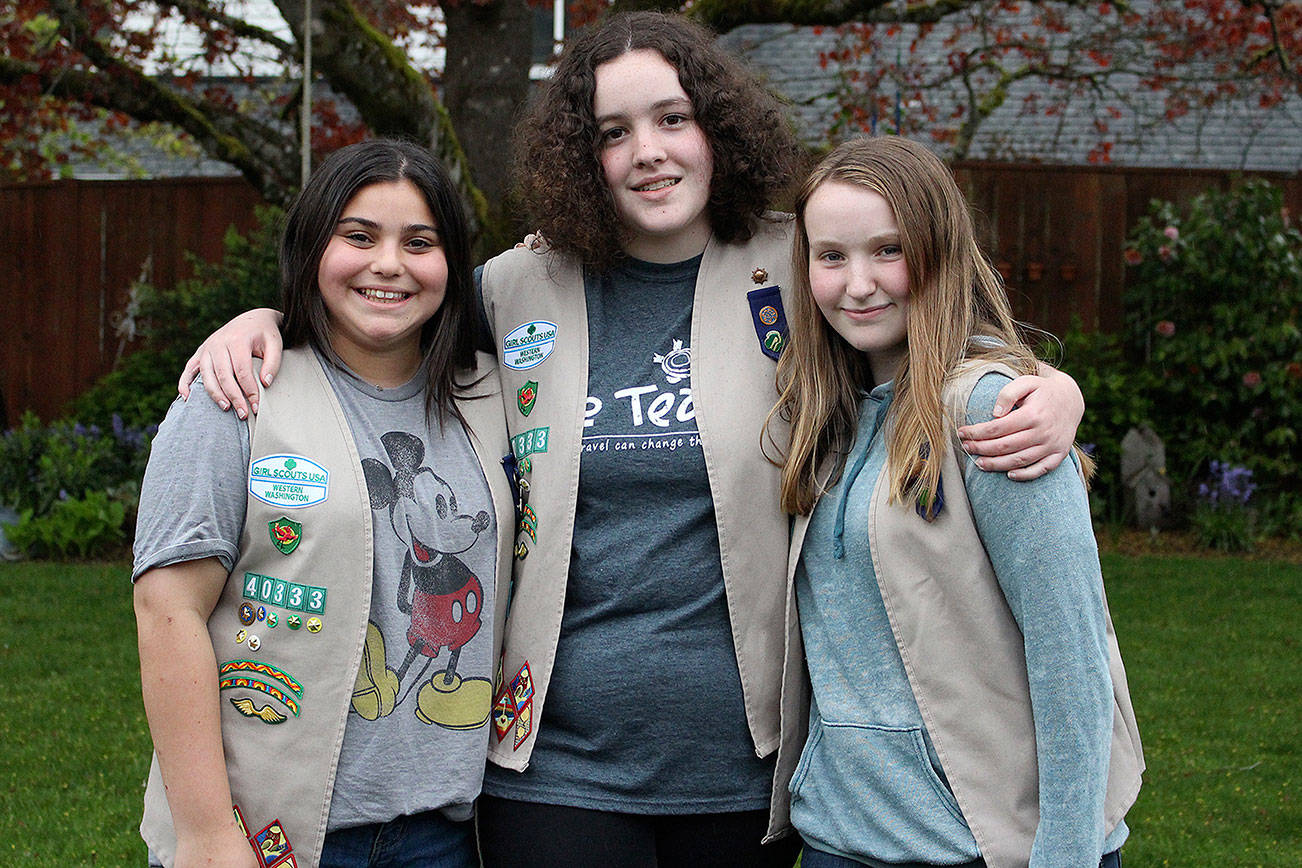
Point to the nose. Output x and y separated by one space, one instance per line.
650 148
386 258
860 282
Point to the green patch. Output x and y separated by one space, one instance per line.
525 397
285 534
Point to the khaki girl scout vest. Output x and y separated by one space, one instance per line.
536 306
963 655
284 703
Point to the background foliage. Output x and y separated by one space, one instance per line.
73 486
1210 357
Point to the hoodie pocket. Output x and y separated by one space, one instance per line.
872 791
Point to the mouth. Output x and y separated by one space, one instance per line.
865 312
423 554
658 184
382 295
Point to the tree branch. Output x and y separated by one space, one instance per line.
725 15
393 98
203 11
254 148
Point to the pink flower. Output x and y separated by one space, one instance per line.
1166 328
1171 232
1133 256
1252 378
1165 253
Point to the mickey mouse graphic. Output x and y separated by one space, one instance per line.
437 591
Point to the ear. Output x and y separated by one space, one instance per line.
379 484
406 452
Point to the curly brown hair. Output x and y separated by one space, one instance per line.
558 168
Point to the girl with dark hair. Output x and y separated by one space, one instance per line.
315 593
969 702
636 719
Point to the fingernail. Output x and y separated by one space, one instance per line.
240 412
255 407
980 462
266 381
225 405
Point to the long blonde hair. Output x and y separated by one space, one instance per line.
954 296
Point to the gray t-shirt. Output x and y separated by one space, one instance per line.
644 708
435 554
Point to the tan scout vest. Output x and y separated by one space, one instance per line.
733 388
282 765
963 653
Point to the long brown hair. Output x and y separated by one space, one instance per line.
954 296
558 168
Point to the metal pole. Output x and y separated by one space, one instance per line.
558 26
305 114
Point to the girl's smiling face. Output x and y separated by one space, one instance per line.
655 157
382 276
857 273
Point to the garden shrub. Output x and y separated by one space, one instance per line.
75 527
74 487
1212 313
1116 400
173 321
1222 518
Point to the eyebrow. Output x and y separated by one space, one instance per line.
655 106
879 238
371 224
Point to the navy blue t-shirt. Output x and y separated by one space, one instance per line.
644 710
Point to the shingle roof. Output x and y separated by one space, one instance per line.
1235 133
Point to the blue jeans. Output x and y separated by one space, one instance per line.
811 858
425 840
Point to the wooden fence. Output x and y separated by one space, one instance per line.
71 250
1057 233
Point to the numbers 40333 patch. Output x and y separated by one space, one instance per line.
286 595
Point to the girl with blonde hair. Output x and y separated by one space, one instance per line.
969 704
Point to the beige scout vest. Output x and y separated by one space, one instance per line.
301 680
962 651
733 388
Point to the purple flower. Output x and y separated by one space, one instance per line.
1227 483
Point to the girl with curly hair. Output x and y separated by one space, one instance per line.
637 709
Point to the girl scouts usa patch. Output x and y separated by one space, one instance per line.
528 345
290 481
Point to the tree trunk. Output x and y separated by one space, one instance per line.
485 85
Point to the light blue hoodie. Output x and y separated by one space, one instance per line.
870 785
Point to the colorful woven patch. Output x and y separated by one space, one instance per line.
264 668
242 681
513 708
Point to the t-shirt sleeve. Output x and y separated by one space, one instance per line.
1041 544
192 499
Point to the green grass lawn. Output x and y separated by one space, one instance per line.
1211 648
